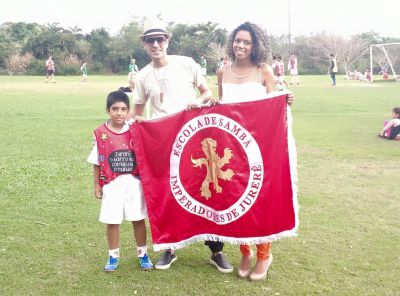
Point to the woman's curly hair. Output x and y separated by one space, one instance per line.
260 52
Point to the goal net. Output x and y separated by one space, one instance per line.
385 61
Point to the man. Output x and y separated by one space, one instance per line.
50 69
292 66
203 65
169 83
332 70
84 71
133 70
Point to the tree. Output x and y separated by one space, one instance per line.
99 40
196 40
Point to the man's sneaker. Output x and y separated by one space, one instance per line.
166 260
221 263
112 264
145 262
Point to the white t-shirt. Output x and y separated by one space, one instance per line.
392 123
177 81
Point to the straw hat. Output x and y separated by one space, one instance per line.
152 28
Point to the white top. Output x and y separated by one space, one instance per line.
243 92
177 81
93 157
392 123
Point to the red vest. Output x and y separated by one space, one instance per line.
292 62
279 68
116 155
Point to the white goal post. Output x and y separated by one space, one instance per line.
387 56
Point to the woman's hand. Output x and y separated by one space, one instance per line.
290 98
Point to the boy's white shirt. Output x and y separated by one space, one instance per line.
93 157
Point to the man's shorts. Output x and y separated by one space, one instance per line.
49 72
123 199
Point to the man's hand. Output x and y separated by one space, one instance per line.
213 101
193 104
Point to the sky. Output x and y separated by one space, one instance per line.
343 17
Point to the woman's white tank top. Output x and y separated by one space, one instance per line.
243 92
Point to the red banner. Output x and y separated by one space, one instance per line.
226 172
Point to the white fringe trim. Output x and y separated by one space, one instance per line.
225 239
293 166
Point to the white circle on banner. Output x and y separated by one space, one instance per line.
255 162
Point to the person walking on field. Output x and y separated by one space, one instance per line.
332 70
292 66
249 78
203 65
50 69
169 83
84 71
133 70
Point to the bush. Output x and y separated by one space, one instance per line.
18 64
97 67
36 67
69 66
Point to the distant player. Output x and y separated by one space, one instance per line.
292 66
133 70
279 72
50 69
84 73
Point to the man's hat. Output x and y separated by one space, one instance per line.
154 28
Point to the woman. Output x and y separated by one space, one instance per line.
248 77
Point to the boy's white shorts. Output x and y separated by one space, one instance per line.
123 199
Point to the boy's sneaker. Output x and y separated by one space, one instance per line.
221 263
145 262
166 260
112 264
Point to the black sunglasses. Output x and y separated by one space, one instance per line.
151 40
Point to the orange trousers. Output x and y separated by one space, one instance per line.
263 250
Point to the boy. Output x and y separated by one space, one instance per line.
116 181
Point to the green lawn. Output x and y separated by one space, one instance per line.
51 242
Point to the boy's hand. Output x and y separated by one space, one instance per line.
98 192
138 119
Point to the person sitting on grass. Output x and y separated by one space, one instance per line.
117 182
391 130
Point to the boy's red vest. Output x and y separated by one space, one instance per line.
116 155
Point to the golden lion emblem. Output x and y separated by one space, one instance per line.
214 165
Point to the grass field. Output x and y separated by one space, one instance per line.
51 242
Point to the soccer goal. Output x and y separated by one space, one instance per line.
385 61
